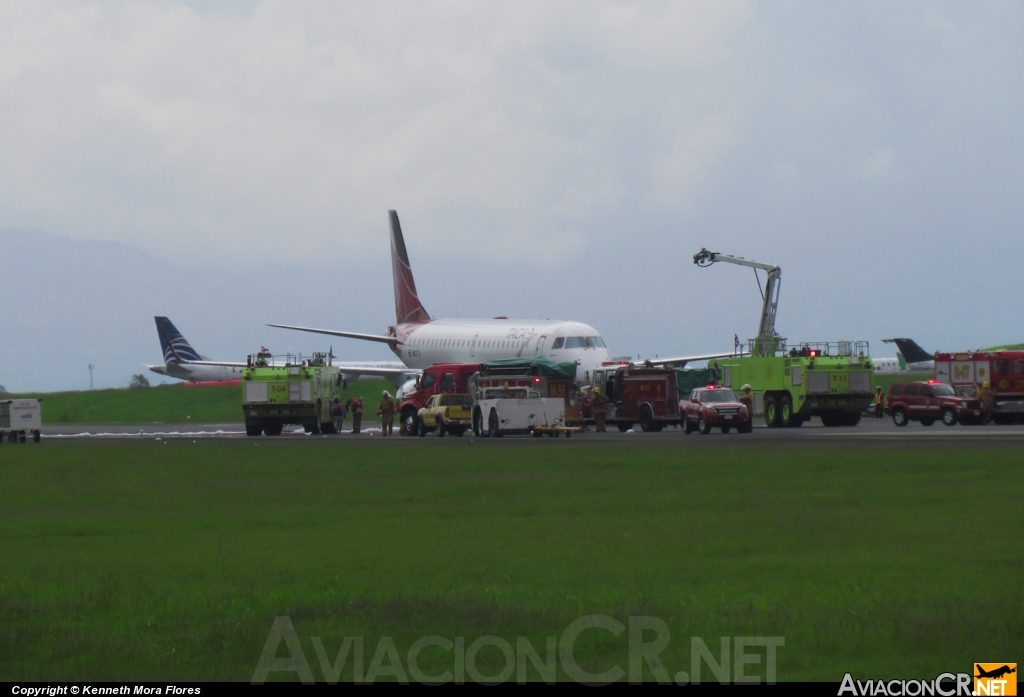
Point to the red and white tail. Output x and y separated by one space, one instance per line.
407 303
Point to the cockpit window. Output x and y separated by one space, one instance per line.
558 343
595 342
575 342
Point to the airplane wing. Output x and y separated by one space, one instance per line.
351 335
683 360
391 374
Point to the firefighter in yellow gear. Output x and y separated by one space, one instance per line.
879 402
747 398
355 405
988 399
386 411
600 410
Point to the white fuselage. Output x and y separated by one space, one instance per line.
198 373
895 365
476 341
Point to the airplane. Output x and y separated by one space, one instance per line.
995 672
185 363
421 341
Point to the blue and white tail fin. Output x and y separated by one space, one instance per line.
175 347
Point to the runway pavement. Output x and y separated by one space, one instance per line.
869 430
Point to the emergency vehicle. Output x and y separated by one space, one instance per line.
637 394
278 391
1002 370
20 418
831 380
928 401
441 378
714 407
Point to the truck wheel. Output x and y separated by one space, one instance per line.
442 430
772 418
646 419
899 416
421 428
35 436
409 420
949 417
493 425
253 428
705 427
478 425
786 411
687 426
273 429
623 427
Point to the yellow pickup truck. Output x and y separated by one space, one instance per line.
445 413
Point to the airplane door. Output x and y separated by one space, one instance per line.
472 347
540 344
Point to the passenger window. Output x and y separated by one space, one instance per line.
896 390
448 381
911 391
428 381
926 391
558 343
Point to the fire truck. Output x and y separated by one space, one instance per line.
637 394
1002 370
284 390
831 380
437 379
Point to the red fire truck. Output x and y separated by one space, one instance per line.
439 378
1003 370
639 395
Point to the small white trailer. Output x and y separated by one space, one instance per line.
19 419
509 410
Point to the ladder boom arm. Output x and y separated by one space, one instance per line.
766 327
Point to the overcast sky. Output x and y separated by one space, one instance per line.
587 149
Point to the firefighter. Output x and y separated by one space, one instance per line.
988 400
747 398
600 410
386 411
879 402
355 405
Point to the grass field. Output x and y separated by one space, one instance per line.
169 404
171 561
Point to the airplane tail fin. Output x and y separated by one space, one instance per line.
903 362
407 302
910 350
176 348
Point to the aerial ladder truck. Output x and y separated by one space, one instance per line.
831 380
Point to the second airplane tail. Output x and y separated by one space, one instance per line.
408 307
910 350
176 348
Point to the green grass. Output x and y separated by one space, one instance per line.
169 404
170 561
